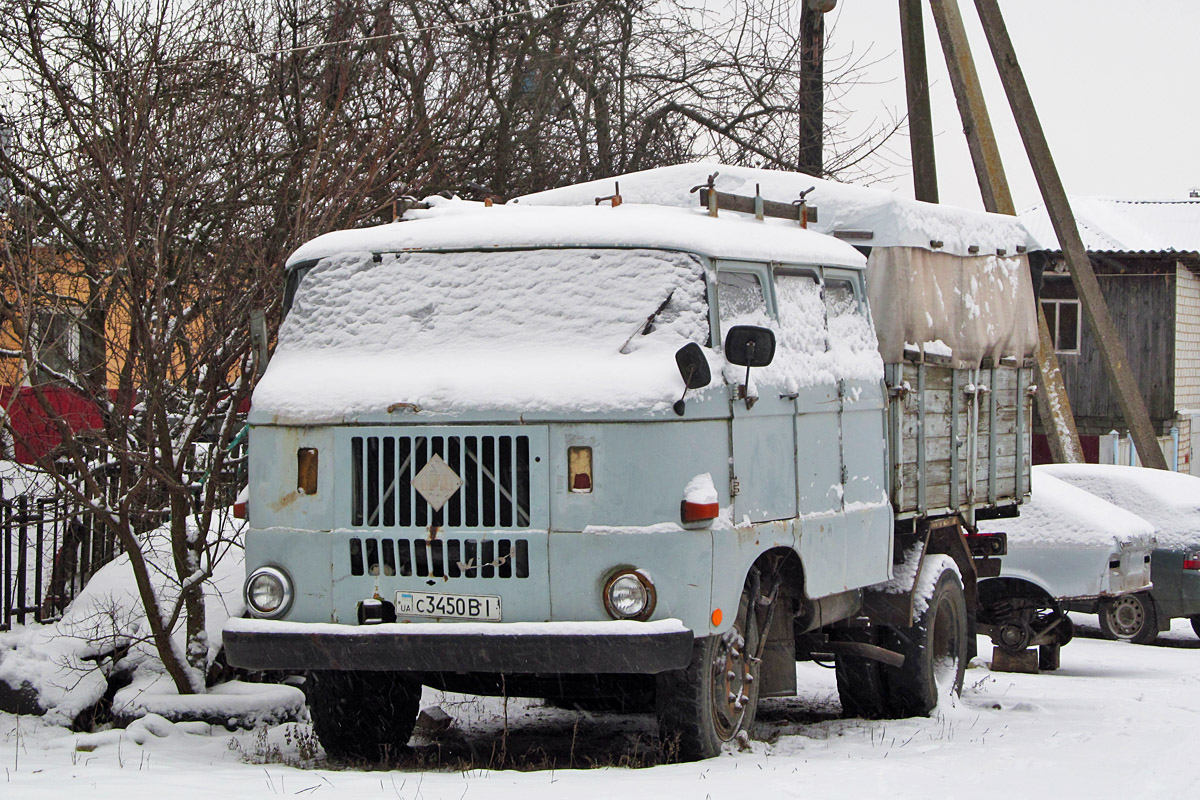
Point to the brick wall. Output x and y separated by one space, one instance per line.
1187 358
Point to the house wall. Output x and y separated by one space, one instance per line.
1140 293
1187 364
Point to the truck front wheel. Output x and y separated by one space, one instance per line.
363 716
935 648
715 697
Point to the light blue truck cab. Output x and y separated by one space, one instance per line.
626 452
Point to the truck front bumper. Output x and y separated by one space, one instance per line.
498 647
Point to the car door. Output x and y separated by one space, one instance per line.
761 429
817 424
854 352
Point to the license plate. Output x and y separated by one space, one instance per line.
448 606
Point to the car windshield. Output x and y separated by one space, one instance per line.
420 302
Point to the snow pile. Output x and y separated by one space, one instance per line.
104 630
701 490
1061 515
233 704
1169 501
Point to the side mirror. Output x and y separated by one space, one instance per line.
693 366
750 346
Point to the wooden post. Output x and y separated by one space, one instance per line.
812 85
1054 406
1112 349
916 85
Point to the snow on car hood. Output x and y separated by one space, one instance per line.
1170 501
1059 515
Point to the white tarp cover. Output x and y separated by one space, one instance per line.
977 306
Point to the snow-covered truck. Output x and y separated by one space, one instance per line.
636 453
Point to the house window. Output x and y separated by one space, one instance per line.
1062 317
55 344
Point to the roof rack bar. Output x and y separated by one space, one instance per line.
750 205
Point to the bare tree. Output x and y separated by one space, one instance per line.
164 173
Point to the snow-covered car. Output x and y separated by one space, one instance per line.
1170 501
1068 549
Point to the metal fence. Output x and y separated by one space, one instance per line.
50 545
48 550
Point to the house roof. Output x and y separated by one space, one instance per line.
1114 225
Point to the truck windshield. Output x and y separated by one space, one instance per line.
595 299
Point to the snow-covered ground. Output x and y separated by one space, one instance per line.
1118 720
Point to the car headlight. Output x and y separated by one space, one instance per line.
268 592
629 594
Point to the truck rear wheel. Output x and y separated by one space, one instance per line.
363 716
934 649
860 680
716 696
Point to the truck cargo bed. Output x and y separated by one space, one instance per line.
959 440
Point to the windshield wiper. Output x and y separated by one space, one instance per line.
646 327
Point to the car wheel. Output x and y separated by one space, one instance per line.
1196 623
1129 618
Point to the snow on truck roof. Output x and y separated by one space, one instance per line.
860 214
461 225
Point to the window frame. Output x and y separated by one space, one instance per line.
1056 328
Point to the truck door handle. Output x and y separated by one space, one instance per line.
788 395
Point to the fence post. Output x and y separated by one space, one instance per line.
22 555
6 562
39 556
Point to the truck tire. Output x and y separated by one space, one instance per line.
934 649
715 697
860 681
1129 618
363 716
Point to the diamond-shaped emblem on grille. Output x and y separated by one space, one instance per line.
436 482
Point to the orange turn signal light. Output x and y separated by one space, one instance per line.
698 512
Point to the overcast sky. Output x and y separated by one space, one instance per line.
1114 82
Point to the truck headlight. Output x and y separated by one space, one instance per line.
629 594
268 592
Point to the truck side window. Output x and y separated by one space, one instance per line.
740 299
801 313
849 327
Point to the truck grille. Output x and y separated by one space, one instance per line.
440 558
494 471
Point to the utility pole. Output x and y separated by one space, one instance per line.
1112 350
1054 407
812 85
916 86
